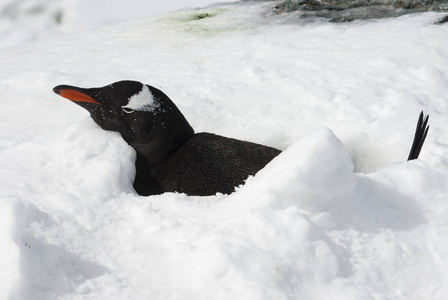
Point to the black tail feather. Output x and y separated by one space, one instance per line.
420 135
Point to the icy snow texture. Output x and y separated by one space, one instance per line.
25 20
142 101
335 97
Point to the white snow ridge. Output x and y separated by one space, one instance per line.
142 101
339 214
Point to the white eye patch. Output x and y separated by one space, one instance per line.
142 101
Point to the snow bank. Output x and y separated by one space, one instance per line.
27 20
334 97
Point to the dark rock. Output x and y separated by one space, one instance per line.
349 10
442 21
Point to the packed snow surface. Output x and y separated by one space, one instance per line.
339 214
25 20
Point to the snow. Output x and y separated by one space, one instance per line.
22 21
142 101
339 214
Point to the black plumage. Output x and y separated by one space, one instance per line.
421 131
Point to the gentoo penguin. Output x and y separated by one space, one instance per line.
420 135
170 156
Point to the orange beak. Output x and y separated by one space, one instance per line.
74 95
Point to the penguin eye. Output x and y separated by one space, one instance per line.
127 110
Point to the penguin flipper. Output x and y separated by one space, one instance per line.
420 135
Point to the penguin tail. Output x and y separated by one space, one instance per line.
420 135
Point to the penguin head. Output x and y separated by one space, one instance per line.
141 113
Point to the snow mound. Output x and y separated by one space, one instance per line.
338 214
